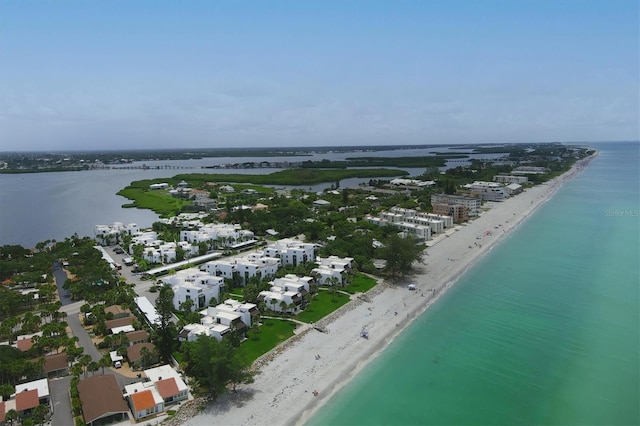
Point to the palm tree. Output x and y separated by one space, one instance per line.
283 306
104 362
93 367
273 304
84 363
76 370
333 281
145 355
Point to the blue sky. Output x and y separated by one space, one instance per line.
168 74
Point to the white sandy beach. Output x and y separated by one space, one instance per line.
282 393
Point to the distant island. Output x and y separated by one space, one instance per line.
53 161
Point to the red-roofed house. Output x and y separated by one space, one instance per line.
27 400
24 344
168 383
145 403
169 391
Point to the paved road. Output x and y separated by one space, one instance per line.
84 339
61 277
60 401
59 388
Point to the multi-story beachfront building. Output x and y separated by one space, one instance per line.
459 213
279 300
225 234
507 179
243 268
473 204
489 191
413 183
163 252
111 234
332 268
291 252
247 311
192 284
529 170
414 223
513 189
219 320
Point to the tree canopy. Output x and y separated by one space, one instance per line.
400 253
215 365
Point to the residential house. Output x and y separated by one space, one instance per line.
31 394
321 203
169 383
119 322
56 365
137 336
135 358
101 400
117 311
144 400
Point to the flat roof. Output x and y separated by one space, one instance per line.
42 386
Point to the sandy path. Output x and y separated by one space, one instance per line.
283 392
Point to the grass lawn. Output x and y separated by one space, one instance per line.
322 305
272 332
178 357
361 283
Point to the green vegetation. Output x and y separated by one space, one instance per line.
271 333
302 176
164 204
161 202
400 254
361 283
324 302
425 161
215 365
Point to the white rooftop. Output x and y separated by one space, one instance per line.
42 386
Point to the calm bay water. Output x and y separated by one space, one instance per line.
544 330
40 206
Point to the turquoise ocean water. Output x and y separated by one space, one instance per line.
542 331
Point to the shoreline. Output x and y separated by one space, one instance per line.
284 391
